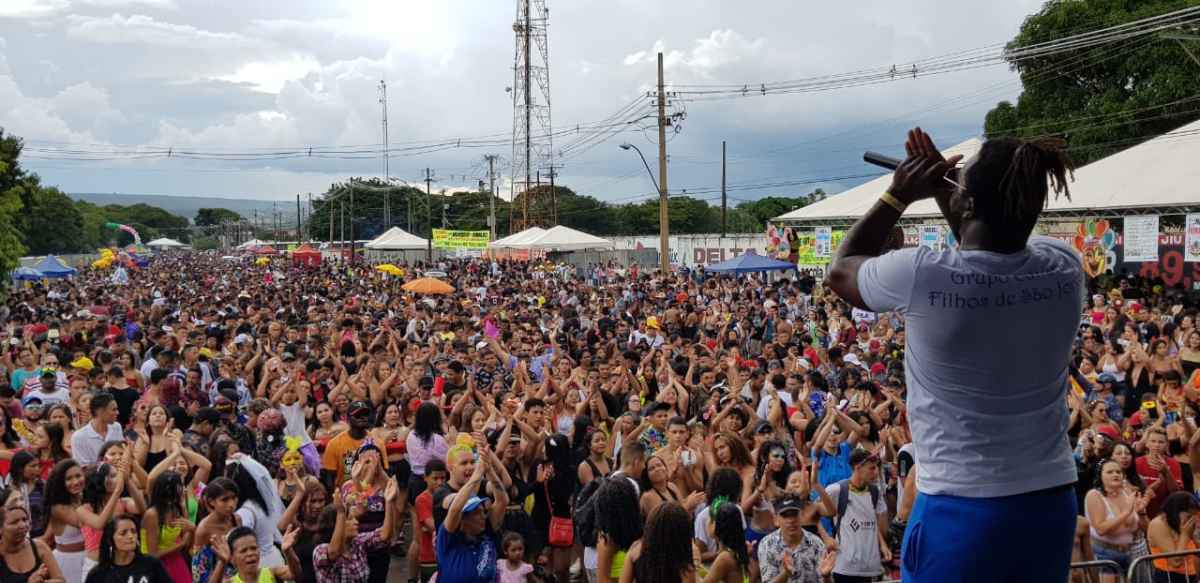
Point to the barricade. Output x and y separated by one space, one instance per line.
1182 579
1095 568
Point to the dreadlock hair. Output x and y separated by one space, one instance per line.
728 531
666 545
1008 181
620 503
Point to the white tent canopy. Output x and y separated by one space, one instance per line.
1159 173
562 238
854 203
516 240
252 243
165 243
396 238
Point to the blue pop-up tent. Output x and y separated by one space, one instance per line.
26 274
750 262
53 268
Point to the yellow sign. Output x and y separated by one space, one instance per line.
808 254
446 239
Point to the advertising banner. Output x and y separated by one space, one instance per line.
1191 238
824 242
446 239
1141 238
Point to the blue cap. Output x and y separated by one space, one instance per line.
474 503
1106 377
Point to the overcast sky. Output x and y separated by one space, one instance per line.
237 76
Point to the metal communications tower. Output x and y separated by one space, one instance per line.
387 211
532 148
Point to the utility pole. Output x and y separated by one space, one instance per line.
429 215
553 196
253 231
491 160
352 256
724 203
663 221
308 222
329 207
342 242
387 211
274 222
299 228
442 203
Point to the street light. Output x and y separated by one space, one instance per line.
663 222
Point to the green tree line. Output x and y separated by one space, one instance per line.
468 210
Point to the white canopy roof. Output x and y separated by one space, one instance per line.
518 239
854 203
252 243
165 242
1159 173
562 238
396 238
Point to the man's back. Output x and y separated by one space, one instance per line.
989 338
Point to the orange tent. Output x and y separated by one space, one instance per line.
428 285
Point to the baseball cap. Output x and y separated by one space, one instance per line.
1106 377
763 427
789 503
359 407
49 372
1109 432
474 503
241 339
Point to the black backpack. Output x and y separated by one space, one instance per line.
843 501
585 513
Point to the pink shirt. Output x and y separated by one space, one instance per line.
514 575
419 452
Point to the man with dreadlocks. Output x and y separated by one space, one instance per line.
987 424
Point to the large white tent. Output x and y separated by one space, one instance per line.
1160 174
562 238
396 239
854 203
165 243
516 240
252 243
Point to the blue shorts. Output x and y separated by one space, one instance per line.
1026 537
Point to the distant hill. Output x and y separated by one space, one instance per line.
186 206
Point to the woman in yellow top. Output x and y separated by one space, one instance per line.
617 501
1172 530
240 548
166 531
732 564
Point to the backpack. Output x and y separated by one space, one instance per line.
585 513
843 501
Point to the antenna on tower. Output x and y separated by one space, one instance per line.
387 214
532 147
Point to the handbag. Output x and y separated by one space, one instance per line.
562 530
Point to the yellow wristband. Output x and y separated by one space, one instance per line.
893 202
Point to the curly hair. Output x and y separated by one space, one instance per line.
619 502
764 454
739 456
666 546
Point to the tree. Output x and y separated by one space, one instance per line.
1102 99
208 217
11 175
52 222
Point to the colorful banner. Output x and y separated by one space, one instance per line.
808 249
1141 238
446 239
1191 238
823 246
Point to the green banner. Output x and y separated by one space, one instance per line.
808 249
446 239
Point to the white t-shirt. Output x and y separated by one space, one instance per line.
858 537
294 416
700 528
989 338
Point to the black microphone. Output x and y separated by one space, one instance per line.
880 160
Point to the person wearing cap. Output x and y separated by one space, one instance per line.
858 523
1103 391
468 541
49 392
792 554
338 459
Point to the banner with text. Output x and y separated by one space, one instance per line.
446 239
824 242
1141 238
1191 238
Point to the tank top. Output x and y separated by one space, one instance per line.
71 535
1123 536
618 565
1189 562
7 575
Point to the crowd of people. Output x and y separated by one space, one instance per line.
211 422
